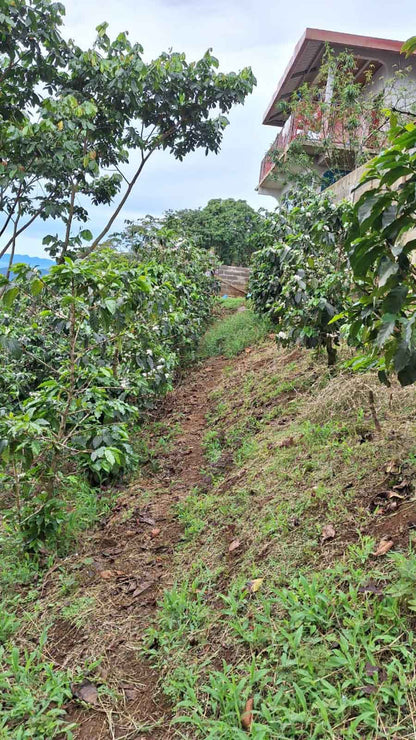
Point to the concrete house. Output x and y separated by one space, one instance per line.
381 56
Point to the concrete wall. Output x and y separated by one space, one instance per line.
348 188
234 280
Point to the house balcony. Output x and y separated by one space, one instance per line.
312 132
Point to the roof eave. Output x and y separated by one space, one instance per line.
331 37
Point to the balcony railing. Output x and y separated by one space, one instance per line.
293 128
315 131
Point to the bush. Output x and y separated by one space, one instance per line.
88 348
302 281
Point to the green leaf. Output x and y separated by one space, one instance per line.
402 356
386 269
110 457
86 234
395 299
386 329
36 286
395 174
409 46
110 305
366 205
407 375
10 295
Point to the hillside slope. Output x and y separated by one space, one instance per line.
243 581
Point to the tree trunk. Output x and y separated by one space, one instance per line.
331 351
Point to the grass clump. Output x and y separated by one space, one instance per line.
231 304
33 695
232 334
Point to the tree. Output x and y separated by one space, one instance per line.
300 279
228 227
93 111
381 241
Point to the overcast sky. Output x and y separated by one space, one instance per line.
241 32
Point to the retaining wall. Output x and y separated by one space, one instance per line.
234 280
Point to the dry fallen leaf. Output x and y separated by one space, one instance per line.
234 545
247 715
394 494
140 589
254 585
384 546
86 691
328 532
107 574
144 519
403 484
393 467
155 532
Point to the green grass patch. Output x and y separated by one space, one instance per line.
231 304
33 695
322 658
233 334
325 646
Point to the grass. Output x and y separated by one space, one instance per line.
33 695
325 647
231 304
322 658
231 335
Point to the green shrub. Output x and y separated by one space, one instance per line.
88 348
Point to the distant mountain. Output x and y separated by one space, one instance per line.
42 263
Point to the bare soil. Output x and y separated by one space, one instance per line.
125 567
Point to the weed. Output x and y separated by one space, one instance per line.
331 661
212 446
33 695
8 624
233 334
193 512
76 612
404 587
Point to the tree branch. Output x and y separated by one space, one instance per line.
13 245
68 224
110 222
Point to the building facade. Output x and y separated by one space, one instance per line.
380 69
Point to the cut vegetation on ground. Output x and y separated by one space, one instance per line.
255 579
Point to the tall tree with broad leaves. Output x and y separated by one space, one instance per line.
228 227
74 119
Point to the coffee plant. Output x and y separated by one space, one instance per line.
381 243
301 278
86 350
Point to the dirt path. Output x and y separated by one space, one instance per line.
124 570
